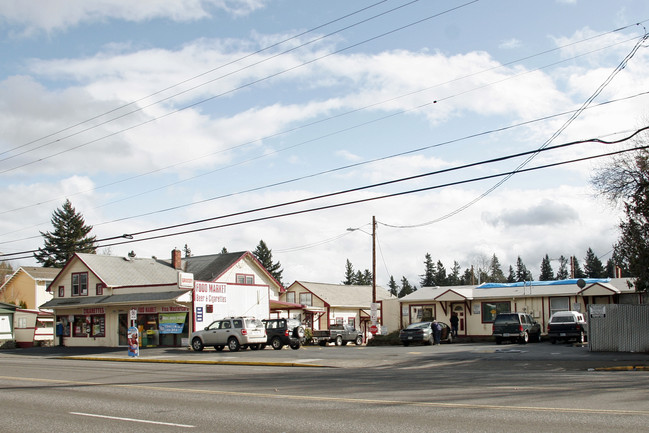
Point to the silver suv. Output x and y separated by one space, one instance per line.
234 332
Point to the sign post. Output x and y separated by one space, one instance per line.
133 335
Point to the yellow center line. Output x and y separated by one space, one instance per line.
362 401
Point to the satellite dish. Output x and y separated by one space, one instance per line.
581 283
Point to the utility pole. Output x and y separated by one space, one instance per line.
373 259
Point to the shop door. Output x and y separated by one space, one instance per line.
123 329
460 310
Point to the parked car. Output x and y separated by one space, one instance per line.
519 327
282 332
567 325
422 332
339 334
234 332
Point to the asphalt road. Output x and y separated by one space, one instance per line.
455 388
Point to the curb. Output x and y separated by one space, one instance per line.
172 361
622 368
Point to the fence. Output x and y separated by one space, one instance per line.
618 328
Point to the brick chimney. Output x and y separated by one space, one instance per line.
175 258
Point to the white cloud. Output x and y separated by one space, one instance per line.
510 44
58 15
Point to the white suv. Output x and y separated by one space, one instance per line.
234 332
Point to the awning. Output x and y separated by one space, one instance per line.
122 299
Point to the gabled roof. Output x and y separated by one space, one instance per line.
213 266
37 273
340 295
116 271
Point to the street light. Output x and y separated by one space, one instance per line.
373 234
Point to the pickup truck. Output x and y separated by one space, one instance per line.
567 325
339 334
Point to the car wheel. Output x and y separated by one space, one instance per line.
254 347
538 337
276 343
233 345
405 343
197 344
553 340
359 340
322 343
525 338
299 332
339 340
295 346
219 348
499 340
582 338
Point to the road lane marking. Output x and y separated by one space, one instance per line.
362 401
119 418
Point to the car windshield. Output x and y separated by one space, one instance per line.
420 325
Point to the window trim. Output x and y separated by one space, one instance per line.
484 304
61 291
80 291
293 297
99 289
310 295
245 279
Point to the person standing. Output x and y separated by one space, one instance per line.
454 324
437 332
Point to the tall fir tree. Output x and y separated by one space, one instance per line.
511 276
406 288
440 274
547 273
70 235
454 276
349 274
394 289
522 274
576 269
562 273
593 266
496 274
428 278
265 257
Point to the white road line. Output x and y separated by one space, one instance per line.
94 415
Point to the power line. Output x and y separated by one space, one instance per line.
129 236
321 121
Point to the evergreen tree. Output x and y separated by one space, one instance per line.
547 273
593 267
70 236
406 288
610 268
265 257
187 250
428 279
511 277
467 278
576 269
454 278
496 274
394 289
562 273
224 250
440 274
522 274
349 274
367 278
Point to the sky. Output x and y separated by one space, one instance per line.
219 123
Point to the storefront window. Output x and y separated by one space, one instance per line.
98 326
422 313
491 309
81 327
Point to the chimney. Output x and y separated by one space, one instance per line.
175 259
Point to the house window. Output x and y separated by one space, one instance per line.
422 313
99 289
290 297
80 284
491 309
245 279
305 299
61 291
559 304
352 321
